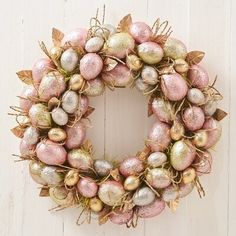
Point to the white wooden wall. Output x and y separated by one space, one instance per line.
118 130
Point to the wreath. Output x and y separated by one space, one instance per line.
54 113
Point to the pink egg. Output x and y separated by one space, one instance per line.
51 153
185 189
90 66
83 105
153 209
119 217
140 31
29 92
203 163
51 85
26 149
119 76
162 109
41 68
131 166
193 118
87 187
174 86
77 37
159 136
214 129
75 135
95 87
198 76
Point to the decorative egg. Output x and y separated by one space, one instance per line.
69 60
111 193
55 52
200 138
203 163
170 193
162 109
88 61
185 189
131 166
181 66
193 118
159 177
177 130
210 107
150 52
76 82
149 75
72 177
153 209
133 62
87 187
80 159
75 135
83 105
95 87
213 129
35 169
142 86
59 116
95 204
159 136
57 134
41 68
156 159
198 76
105 31
51 153
119 45
26 149
182 155
143 196
174 86
196 96
52 175
31 135
40 116
51 85
70 101
29 92
76 38
140 31
119 76
61 196
175 49
120 217
94 44
131 183
189 175
102 167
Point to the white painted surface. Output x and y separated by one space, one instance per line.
117 129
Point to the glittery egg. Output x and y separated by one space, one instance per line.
156 159
131 183
196 96
210 107
143 196
170 193
52 175
28 93
95 87
149 75
35 169
94 44
87 187
26 149
175 49
185 189
70 101
189 175
72 177
59 116
31 135
162 109
203 163
69 60
57 134
131 166
95 204
140 31
76 81
102 167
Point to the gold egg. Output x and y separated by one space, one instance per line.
133 62
95 204
177 131
57 134
76 82
189 175
131 183
200 138
181 66
55 52
71 178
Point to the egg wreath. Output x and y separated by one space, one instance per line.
54 108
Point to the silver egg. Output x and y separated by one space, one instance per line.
196 96
51 175
210 107
143 196
59 116
185 189
95 87
31 135
156 159
69 60
102 167
70 101
142 86
149 75
170 193
94 44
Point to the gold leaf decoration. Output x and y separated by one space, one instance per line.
194 57
57 37
160 39
115 174
89 111
44 192
219 114
25 76
110 64
44 48
150 111
125 23
18 131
